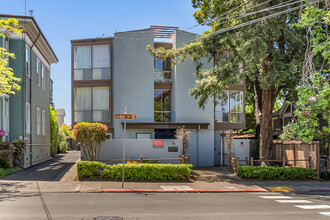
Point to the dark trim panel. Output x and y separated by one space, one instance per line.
163 85
228 125
165 125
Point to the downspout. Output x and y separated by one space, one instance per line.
31 152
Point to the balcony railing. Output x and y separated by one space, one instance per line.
162 76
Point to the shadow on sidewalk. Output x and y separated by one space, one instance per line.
215 174
51 170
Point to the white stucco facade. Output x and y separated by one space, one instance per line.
133 86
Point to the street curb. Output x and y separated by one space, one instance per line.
169 191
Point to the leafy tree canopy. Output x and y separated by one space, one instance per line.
8 82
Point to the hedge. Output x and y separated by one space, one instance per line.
276 173
93 169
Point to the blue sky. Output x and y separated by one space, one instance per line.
65 20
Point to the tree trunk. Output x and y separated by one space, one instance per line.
258 103
266 131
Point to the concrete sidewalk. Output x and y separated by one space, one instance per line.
206 180
8 186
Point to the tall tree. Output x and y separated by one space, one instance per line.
270 50
8 81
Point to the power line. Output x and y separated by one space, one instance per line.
249 23
280 5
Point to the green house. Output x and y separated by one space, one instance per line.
26 114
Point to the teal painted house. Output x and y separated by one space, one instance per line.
26 115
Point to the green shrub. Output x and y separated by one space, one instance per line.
276 173
53 132
62 147
6 157
326 175
19 149
90 136
92 169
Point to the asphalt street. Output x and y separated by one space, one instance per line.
165 206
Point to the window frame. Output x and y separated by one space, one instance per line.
38 64
27 60
38 121
162 107
28 118
91 110
229 112
43 84
91 68
43 122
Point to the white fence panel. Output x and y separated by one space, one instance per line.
113 149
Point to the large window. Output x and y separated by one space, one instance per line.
92 104
230 107
162 105
92 62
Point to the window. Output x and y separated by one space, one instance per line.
43 126
27 60
38 120
162 71
6 46
165 133
101 62
101 104
87 110
38 66
230 107
43 85
143 136
162 105
92 62
159 64
28 118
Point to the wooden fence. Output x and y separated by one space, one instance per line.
182 159
297 153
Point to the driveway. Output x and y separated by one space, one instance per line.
51 170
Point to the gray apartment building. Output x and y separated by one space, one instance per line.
109 74
26 114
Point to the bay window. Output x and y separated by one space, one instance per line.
229 107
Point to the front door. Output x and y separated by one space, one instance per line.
217 151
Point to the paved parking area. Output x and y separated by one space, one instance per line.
51 170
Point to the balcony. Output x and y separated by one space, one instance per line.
162 76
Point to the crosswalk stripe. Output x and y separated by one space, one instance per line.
325 213
276 197
293 201
313 206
